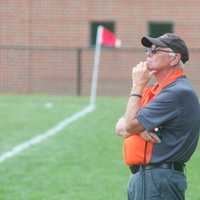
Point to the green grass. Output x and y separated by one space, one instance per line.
82 162
25 116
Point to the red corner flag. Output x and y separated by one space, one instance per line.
108 38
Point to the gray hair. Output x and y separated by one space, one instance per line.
181 65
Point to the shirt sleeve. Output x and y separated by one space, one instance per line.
159 110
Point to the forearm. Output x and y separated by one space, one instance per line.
133 106
140 78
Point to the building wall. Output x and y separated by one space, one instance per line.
66 23
39 41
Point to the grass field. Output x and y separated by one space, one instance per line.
82 162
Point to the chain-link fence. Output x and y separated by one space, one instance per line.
68 71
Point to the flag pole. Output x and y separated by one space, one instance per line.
93 92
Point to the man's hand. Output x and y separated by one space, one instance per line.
140 77
150 137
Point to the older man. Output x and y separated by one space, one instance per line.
161 123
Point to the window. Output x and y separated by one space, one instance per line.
93 29
159 28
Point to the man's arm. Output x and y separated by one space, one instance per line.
140 78
128 124
132 124
147 136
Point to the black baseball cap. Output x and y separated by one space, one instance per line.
168 40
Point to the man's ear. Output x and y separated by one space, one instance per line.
175 59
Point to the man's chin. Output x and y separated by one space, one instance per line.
150 68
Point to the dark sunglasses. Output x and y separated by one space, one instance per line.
154 51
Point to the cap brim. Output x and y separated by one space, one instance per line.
149 41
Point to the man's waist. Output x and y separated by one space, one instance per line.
165 165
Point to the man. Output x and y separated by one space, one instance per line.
161 123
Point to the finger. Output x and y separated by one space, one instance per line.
155 138
145 65
139 65
145 135
151 139
153 135
134 69
151 73
148 138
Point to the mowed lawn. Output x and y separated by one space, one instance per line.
82 162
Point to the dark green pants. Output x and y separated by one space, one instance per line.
157 184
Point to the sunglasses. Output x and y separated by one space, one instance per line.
154 51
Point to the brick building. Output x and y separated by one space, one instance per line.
46 45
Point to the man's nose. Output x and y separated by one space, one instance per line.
149 54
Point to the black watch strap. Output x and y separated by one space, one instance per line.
136 95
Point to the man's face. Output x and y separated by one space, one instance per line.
159 58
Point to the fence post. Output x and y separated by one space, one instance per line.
79 73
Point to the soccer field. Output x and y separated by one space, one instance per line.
82 162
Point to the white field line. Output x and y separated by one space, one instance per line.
51 132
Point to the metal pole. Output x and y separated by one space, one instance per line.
79 72
96 66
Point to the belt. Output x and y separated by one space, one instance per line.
170 165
